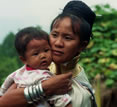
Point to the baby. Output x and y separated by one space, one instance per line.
34 51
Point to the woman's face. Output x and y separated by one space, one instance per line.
65 45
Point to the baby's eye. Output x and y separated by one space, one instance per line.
36 53
46 50
54 35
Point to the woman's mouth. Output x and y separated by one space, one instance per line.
57 53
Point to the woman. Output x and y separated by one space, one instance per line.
70 34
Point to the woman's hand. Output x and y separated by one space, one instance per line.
59 84
14 97
11 88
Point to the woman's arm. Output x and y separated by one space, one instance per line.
59 84
14 97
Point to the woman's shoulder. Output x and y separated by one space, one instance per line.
80 70
81 76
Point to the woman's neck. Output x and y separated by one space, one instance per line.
58 69
67 66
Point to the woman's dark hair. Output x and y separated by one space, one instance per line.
82 18
80 27
24 36
80 9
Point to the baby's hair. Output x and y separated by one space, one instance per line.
24 36
80 27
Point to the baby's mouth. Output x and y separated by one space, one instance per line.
44 63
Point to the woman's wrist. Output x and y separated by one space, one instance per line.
45 86
34 93
54 85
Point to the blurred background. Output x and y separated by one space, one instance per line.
100 58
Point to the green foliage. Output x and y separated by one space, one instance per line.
9 60
101 53
7 48
7 65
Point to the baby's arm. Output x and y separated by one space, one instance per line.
6 84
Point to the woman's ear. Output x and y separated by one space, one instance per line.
83 45
23 59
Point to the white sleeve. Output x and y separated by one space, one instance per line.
9 81
6 84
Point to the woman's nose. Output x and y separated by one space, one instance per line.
59 42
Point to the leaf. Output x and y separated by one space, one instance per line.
103 60
109 82
90 44
114 52
113 66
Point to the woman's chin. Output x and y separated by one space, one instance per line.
58 60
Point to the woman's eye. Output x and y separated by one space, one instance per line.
68 38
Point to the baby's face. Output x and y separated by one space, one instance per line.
38 54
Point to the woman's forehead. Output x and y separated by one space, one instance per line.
65 25
65 21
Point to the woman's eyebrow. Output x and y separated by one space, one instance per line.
54 31
68 33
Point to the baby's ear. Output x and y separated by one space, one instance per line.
23 59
